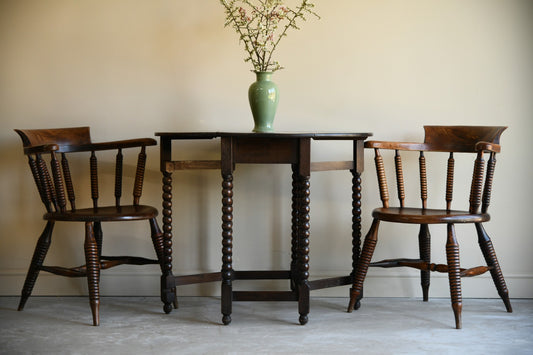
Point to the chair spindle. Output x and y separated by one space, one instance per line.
487 191
382 179
68 181
46 182
37 178
477 183
423 180
399 178
94 179
58 182
137 187
449 181
118 177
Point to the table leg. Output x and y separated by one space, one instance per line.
227 247
303 249
168 284
295 228
356 223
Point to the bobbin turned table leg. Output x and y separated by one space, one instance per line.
303 247
295 229
227 247
168 284
356 224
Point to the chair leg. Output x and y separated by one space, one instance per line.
454 275
490 257
362 266
157 240
93 271
43 244
99 237
424 243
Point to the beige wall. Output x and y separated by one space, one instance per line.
131 68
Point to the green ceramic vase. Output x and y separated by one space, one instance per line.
263 96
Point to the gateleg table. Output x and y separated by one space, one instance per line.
261 148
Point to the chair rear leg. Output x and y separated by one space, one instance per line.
362 266
157 240
93 271
454 274
424 243
43 244
490 257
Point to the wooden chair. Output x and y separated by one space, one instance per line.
478 141
56 189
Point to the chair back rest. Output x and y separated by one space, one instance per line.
477 140
47 151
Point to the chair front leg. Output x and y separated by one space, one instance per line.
454 274
424 243
362 266
490 257
43 244
157 240
93 271
99 237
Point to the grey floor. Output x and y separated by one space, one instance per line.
137 325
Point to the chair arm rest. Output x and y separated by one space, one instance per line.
396 145
480 146
44 148
129 143
487 146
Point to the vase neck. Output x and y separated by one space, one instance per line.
263 75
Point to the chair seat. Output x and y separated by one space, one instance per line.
105 214
427 216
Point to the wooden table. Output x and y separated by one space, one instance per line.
261 148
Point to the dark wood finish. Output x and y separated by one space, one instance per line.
261 148
477 141
424 250
425 266
193 164
49 151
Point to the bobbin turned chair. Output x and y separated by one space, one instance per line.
479 141
56 189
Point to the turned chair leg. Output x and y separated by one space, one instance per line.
424 243
43 244
454 274
99 237
93 271
490 257
362 267
158 241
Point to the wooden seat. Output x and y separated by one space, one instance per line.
480 142
47 151
105 214
427 216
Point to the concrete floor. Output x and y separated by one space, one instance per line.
137 325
